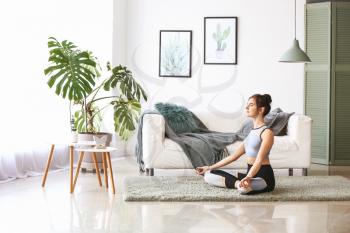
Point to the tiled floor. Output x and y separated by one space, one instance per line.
26 207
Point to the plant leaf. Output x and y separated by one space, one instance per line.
71 71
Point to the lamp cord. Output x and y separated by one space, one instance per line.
295 19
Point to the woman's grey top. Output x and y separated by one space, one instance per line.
253 141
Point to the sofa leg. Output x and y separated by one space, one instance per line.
149 171
304 171
290 171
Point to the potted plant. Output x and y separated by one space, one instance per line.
74 74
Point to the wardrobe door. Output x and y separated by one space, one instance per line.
340 84
317 77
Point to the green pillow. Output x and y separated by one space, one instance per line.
179 118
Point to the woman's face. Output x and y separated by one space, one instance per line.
252 109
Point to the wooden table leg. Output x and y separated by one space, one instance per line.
105 168
81 156
71 161
97 169
110 171
48 164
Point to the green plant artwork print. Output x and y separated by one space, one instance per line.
175 54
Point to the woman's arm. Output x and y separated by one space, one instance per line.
266 145
229 159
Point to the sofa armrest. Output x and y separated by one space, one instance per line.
153 135
299 129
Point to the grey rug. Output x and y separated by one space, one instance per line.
193 188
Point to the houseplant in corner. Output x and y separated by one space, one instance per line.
75 75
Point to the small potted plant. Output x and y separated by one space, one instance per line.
75 73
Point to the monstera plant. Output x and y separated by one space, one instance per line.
74 74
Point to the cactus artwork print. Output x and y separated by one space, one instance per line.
220 40
220 36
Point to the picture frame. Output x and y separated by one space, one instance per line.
175 53
220 40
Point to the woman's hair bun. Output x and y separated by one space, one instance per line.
267 98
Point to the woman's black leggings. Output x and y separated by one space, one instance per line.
265 184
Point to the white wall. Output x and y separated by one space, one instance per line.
29 107
30 111
265 31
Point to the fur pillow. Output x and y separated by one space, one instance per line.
179 118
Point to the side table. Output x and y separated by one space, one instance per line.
106 161
71 147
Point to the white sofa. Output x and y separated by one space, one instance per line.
288 152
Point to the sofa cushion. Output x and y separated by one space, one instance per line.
276 120
179 118
225 124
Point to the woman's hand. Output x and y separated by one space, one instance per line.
202 170
245 182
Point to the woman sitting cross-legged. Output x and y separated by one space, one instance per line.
257 145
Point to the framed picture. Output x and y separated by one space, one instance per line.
220 40
175 53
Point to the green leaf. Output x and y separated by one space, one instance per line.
59 85
53 78
71 71
50 69
65 88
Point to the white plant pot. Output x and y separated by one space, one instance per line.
88 162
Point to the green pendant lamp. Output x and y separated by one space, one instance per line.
295 54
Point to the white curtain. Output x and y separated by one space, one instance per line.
32 114
31 160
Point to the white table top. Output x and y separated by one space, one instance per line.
83 143
75 144
93 149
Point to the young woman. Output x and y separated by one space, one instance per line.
257 145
